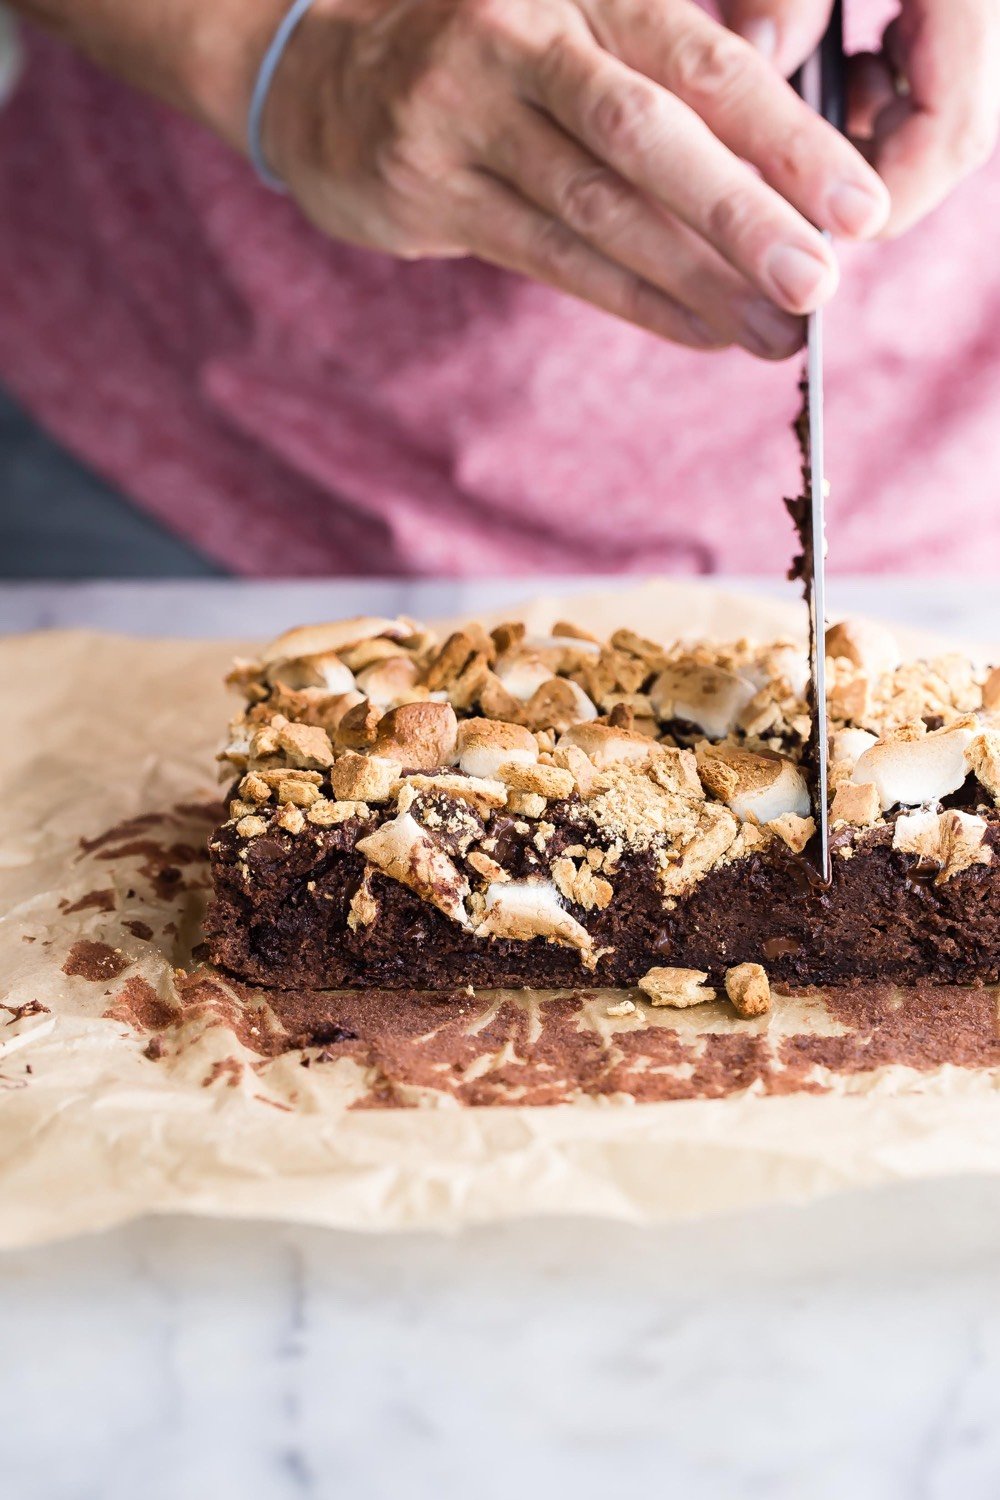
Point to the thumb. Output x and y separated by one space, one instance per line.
785 31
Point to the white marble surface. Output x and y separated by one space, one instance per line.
843 1351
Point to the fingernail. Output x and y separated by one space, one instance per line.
799 277
761 34
858 210
771 331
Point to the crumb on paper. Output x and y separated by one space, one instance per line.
676 987
749 989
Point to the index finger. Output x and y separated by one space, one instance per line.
749 107
653 140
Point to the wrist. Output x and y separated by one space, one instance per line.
226 44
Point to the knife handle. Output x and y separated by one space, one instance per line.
822 79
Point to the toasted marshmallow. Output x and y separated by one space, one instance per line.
238 749
324 671
605 745
525 909
919 833
983 756
915 772
390 681
560 643
404 851
869 646
757 788
709 697
847 745
557 704
954 840
484 745
784 660
964 842
337 635
420 736
522 673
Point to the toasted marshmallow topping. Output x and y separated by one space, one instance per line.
708 697
914 772
605 745
324 671
783 660
983 756
337 635
522 673
389 682
918 833
557 704
848 744
238 749
954 840
757 788
524 909
484 745
869 646
421 736
404 851
560 643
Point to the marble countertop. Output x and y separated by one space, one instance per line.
846 1349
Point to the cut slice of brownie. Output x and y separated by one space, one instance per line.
499 809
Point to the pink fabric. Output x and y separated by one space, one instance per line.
293 406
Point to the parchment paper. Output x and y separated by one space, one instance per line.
132 1080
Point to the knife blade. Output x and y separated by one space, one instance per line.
821 83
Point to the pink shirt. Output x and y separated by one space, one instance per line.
294 406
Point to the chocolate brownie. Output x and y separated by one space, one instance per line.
499 809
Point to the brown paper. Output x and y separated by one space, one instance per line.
137 1082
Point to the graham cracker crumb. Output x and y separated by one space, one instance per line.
581 885
301 793
304 744
486 867
251 828
364 907
364 778
749 990
527 804
793 830
622 1008
327 814
679 988
857 805
546 781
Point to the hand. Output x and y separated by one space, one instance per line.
600 146
941 125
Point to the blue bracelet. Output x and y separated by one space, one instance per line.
262 88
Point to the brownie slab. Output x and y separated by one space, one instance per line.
501 810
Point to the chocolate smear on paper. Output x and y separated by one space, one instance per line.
97 962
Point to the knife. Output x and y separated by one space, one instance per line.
821 83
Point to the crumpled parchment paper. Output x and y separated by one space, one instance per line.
134 1080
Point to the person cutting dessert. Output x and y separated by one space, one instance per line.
377 368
